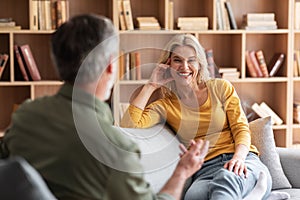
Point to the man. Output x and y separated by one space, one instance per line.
69 137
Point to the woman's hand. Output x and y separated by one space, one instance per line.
237 166
161 75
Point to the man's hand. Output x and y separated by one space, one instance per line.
191 160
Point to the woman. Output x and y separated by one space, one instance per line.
198 107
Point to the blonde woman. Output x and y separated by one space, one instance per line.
198 107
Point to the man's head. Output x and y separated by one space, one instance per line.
83 47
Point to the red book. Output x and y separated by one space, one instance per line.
250 66
262 63
30 62
255 64
20 63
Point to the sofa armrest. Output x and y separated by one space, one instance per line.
290 161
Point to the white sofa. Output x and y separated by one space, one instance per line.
160 154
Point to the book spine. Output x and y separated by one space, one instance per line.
20 63
128 15
255 64
121 15
230 15
250 66
278 63
3 62
210 62
138 70
30 62
132 66
262 63
33 12
171 15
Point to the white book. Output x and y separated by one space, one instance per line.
259 111
274 116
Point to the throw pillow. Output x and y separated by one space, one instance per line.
263 138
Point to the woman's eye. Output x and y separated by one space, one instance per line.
192 61
177 60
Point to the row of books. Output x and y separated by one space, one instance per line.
225 15
296 63
125 15
296 111
3 62
26 63
264 110
48 14
259 21
212 67
8 23
130 66
257 66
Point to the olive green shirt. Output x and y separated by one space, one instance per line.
70 140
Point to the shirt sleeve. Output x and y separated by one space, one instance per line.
236 117
135 117
131 186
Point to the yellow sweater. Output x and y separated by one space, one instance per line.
220 119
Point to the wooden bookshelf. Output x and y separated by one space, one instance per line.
229 48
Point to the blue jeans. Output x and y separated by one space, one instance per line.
215 182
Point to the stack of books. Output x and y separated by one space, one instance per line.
296 111
229 73
192 23
263 110
8 23
148 23
259 21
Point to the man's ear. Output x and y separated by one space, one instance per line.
110 67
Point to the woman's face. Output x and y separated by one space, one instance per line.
184 65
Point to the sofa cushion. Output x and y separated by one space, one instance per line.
159 152
263 138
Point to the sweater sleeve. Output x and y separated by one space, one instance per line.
135 117
237 119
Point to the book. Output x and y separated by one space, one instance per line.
132 66
224 14
231 75
192 23
259 111
227 69
121 15
137 57
220 25
33 15
275 63
171 16
231 17
255 63
297 15
128 15
20 62
30 62
295 66
212 67
274 116
3 62
260 23
262 63
250 66
297 56
259 17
